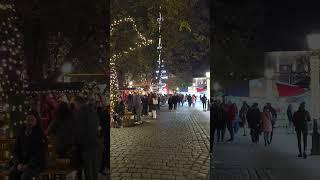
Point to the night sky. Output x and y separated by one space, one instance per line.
286 24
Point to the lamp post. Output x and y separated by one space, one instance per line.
314 45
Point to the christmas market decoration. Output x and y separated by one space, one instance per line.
114 85
13 78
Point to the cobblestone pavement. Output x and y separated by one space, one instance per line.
175 146
243 160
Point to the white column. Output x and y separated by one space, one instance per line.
208 88
269 88
315 88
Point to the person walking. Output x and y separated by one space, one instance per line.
137 105
243 116
231 119
170 102
189 98
193 98
104 120
204 102
253 117
300 122
150 104
266 125
87 144
182 99
290 119
274 118
159 100
61 129
145 105
154 107
222 118
175 101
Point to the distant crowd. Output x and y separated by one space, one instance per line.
227 116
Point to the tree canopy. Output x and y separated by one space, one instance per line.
185 34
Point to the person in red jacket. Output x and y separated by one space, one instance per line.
232 112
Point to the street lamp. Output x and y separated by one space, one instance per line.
314 44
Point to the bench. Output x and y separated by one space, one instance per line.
58 169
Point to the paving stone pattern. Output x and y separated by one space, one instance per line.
174 146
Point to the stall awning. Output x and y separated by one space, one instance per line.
286 90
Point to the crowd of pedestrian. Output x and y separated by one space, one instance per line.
80 127
176 100
140 105
227 116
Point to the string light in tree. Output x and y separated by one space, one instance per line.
143 41
13 81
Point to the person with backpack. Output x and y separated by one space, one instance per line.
300 122
253 117
204 102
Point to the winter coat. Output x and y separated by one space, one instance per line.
222 118
170 100
266 121
253 118
62 128
301 119
137 103
232 113
243 113
174 99
204 99
86 127
130 102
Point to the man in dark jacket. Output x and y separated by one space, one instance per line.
86 138
61 129
175 101
253 117
30 151
300 122
104 118
170 102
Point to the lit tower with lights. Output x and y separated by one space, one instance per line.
161 71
